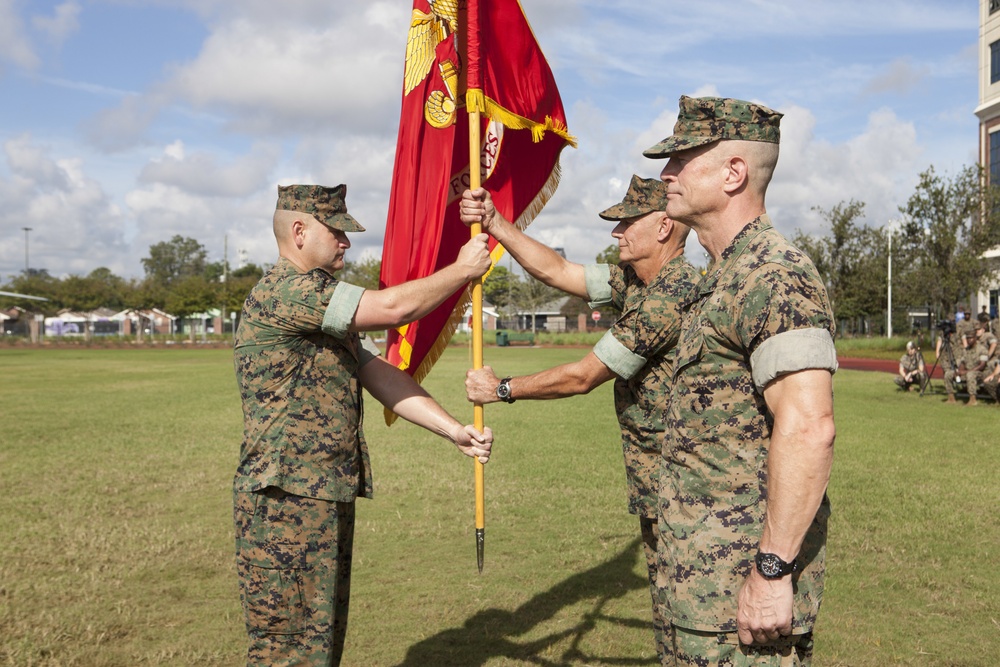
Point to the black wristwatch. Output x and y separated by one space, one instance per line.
771 567
503 391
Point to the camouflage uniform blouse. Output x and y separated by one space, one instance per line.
638 349
297 367
910 362
760 312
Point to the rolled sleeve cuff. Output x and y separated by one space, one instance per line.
340 311
367 351
792 351
598 277
622 361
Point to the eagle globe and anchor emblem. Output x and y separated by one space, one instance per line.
427 31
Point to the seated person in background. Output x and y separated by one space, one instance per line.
971 367
991 383
911 368
985 338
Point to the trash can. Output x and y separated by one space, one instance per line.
502 339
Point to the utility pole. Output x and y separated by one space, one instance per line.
225 276
888 323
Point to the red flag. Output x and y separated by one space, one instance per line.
524 131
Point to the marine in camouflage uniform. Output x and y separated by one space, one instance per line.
989 340
743 530
912 371
301 364
973 365
645 291
991 383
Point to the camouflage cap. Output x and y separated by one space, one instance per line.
704 120
644 195
326 204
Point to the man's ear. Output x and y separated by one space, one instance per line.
737 174
299 233
665 228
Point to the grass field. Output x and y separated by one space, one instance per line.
116 466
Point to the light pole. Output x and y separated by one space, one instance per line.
888 317
26 230
889 229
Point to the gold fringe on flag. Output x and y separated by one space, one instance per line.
476 100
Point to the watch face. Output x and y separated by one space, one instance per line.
503 390
769 565
772 567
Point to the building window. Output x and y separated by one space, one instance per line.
994 158
994 5
995 61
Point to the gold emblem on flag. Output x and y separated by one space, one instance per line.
426 32
440 110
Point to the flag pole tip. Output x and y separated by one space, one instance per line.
480 547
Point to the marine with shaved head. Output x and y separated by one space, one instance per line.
749 441
301 362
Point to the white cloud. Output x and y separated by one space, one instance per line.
15 47
202 173
289 78
75 227
124 126
64 22
899 76
874 167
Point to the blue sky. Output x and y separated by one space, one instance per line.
126 122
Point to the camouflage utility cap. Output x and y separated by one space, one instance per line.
644 195
703 120
327 205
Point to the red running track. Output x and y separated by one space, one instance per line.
882 365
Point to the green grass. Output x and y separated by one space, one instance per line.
116 468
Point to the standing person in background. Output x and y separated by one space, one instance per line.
301 365
749 445
645 289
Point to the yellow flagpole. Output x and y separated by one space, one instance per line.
479 420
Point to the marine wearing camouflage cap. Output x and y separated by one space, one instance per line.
326 204
644 195
704 120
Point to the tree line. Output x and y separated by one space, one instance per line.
937 244
179 279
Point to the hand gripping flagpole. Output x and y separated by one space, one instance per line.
475 181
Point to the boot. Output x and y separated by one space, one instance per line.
972 401
951 399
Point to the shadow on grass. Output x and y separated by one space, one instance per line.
492 633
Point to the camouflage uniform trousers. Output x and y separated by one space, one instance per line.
293 559
650 538
905 386
949 380
693 648
972 380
